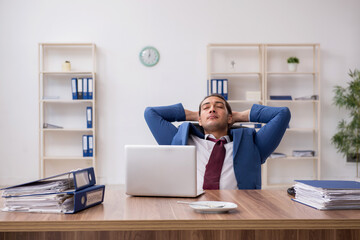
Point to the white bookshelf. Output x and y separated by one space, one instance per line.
263 68
60 149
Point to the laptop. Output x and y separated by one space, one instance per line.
161 170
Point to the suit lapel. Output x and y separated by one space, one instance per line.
236 134
182 136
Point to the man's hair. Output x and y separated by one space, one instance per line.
227 105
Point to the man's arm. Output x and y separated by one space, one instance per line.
159 121
241 116
191 115
269 136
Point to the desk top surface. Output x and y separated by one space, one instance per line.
257 209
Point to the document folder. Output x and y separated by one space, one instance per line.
80 88
73 180
89 117
225 89
91 145
85 144
85 89
90 88
219 86
88 197
74 88
65 202
328 194
331 184
214 86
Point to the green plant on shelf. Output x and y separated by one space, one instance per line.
293 60
347 139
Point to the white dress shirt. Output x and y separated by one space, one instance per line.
203 150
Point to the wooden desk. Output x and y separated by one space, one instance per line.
261 214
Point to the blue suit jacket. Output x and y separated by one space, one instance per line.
251 148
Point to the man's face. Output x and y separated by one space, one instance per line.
214 115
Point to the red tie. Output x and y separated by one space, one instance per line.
214 166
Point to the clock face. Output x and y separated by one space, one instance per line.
149 56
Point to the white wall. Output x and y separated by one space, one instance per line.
180 30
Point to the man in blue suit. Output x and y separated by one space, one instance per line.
246 149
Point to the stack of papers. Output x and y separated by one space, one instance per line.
64 193
311 97
41 187
277 155
42 196
52 203
328 194
303 153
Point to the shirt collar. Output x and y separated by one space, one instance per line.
226 137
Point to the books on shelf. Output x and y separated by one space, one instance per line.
219 86
303 153
280 97
88 145
64 193
328 194
82 88
89 121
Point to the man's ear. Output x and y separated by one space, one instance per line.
200 121
230 119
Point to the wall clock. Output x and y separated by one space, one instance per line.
149 56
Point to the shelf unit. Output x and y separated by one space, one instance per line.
60 149
246 70
266 63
